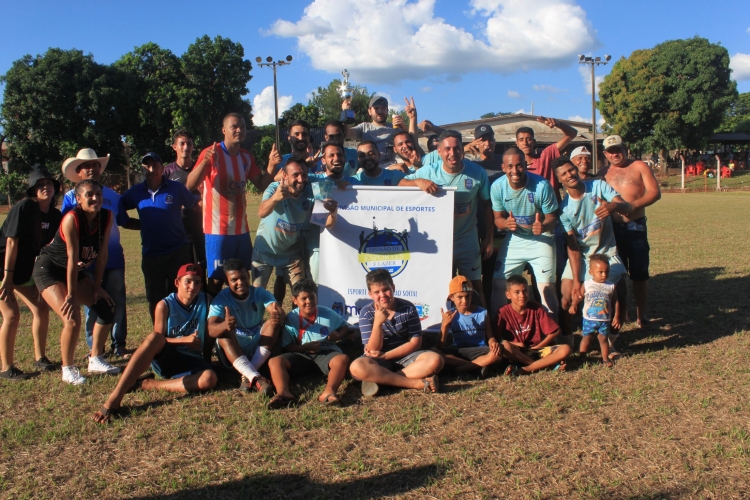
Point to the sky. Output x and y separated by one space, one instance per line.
459 59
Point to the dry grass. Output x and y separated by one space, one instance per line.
670 421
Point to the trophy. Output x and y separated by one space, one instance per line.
347 115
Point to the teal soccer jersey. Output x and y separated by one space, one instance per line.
535 197
279 238
386 178
248 312
593 234
298 330
472 185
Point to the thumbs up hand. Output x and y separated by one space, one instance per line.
229 320
536 227
511 222
604 209
274 159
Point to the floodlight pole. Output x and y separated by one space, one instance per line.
593 62
274 64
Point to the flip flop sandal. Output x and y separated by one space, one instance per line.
331 400
560 367
139 382
107 415
433 381
277 402
511 371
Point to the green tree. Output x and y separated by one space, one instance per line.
737 117
671 96
328 101
493 115
12 185
309 113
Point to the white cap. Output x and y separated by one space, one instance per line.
580 150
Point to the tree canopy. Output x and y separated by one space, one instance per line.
737 118
328 101
671 96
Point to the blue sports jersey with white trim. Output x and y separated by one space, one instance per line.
593 234
248 312
326 321
387 177
183 321
537 196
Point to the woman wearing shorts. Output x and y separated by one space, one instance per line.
58 276
30 225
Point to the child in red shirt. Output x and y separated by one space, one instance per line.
528 332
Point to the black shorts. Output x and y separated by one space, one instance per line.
160 271
46 273
303 363
467 353
175 362
633 247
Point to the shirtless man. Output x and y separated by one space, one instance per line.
637 185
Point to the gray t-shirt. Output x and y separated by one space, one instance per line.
382 136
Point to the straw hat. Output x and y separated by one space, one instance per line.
70 165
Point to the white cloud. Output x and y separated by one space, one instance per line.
585 72
740 64
370 38
513 94
521 112
548 88
263 109
578 118
426 89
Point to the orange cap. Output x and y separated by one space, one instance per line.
459 284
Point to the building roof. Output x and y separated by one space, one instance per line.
505 127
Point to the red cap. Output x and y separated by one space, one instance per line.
189 269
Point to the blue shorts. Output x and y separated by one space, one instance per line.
248 344
591 327
174 362
516 252
221 247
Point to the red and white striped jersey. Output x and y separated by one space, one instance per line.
224 203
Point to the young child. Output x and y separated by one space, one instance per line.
308 340
466 338
529 332
598 298
392 336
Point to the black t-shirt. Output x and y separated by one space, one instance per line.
192 220
34 229
89 239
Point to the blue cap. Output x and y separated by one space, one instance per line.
151 155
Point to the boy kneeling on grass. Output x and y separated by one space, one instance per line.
466 336
392 336
308 340
598 298
174 349
529 332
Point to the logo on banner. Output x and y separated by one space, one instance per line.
384 249
423 310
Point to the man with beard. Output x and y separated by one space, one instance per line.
333 132
581 158
637 185
371 172
540 164
408 159
299 141
284 212
471 197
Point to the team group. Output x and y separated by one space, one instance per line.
510 216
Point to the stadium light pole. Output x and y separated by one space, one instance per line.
593 62
274 64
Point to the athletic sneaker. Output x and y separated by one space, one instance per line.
14 373
97 364
369 389
72 376
45 364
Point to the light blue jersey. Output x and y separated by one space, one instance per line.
468 330
593 234
386 178
432 157
187 320
472 185
298 330
279 238
248 312
350 168
537 196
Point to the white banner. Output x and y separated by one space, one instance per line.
404 230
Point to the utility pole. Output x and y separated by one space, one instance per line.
273 64
593 62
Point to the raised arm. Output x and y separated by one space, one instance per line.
196 176
569 132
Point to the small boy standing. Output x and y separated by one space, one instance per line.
529 332
466 337
308 342
598 298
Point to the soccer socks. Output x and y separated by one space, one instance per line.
260 356
245 367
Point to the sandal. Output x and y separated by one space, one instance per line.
139 382
512 371
431 385
560 367
331 400
105 415
278 401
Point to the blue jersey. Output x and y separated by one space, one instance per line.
472 185
298 330
593 234
160 211
113 203
537 196
279 238
350 167
468 330
247 312
386 178
187 320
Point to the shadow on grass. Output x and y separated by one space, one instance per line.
301 486
691 308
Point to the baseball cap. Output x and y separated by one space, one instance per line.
612 141
580 150
483 130
151 155
459 284
377 98
190 269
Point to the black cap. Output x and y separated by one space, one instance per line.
37 175
483 130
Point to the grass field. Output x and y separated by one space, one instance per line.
669 421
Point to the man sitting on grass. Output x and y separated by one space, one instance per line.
235 319
308 341
174 349
529 332
466 338
392 336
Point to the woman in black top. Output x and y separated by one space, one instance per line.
81 240
30 225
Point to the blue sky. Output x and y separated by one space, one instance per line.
458 58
